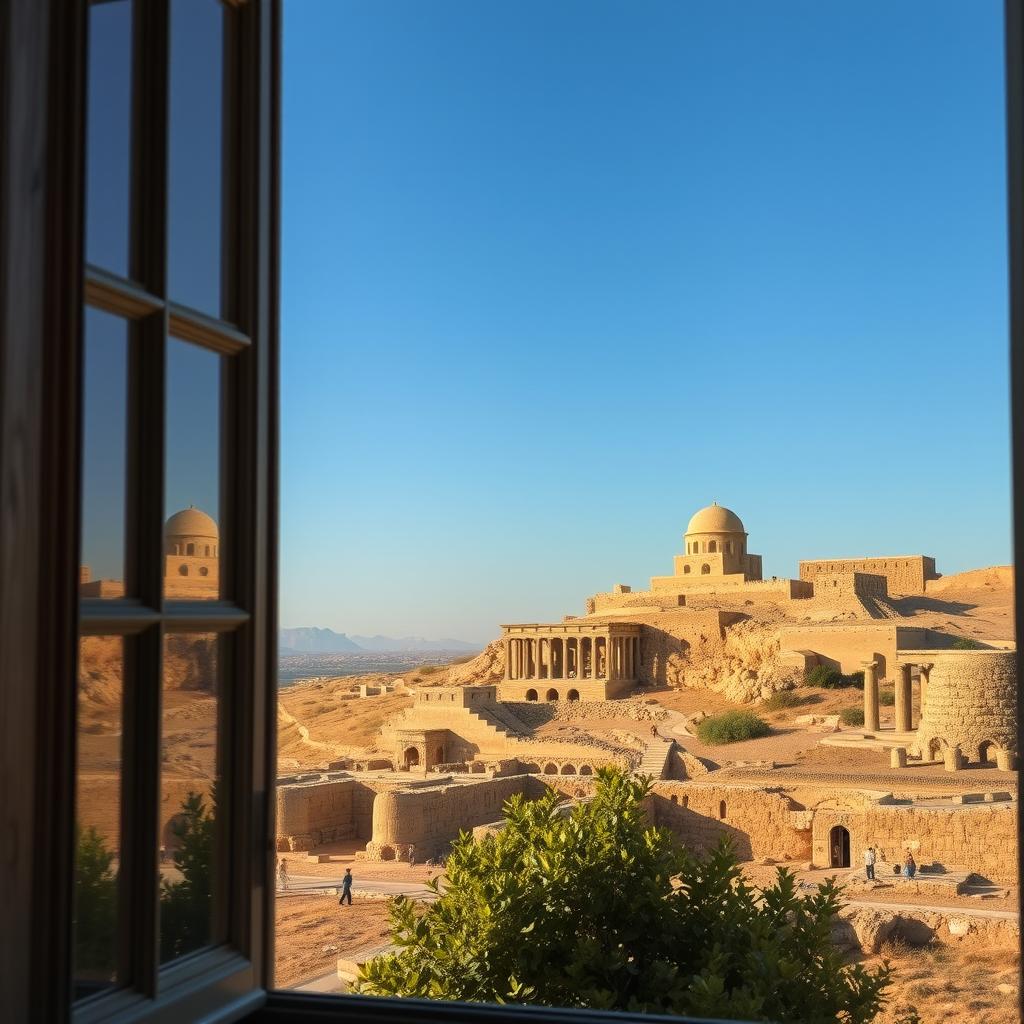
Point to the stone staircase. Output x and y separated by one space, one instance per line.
501 721
655 758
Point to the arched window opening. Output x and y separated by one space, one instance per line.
839 847
183 570
686 569
712 547
531 694
573 695
203 571
552 695
567 769
190 549
705 569
721 810
585 769
550 769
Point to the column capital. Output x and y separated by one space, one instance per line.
869 664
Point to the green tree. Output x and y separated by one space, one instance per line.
95 924
186 905
594 908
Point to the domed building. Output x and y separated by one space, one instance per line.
715 545
191 555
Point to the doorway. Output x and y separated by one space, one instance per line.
839 847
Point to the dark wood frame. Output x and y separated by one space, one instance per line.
43 284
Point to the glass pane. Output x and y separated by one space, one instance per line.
108 146
192 489
196 154
105 423
188 751
98 811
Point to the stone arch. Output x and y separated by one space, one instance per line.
936 749
712 547
987 751
531 694
190 549
839 847
705 569
552 694
723 810
585 769
573 695
568 769
411 757
550 768
387 853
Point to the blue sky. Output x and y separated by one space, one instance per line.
557 273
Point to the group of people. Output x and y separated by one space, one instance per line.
908 869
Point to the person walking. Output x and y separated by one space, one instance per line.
282 875
346 888
869 863
909 866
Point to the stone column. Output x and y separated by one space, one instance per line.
951 759
903 697
870 696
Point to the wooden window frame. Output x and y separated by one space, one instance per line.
43 286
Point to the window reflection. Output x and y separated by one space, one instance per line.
192 548
108 147
195 200
188 793
97 811
105 419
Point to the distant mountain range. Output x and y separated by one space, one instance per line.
314 640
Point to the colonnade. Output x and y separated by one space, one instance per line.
572 657
904 694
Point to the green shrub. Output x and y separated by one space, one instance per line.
426 670
788 699
886 698
829 678
732 726
595 908
965 643
852 716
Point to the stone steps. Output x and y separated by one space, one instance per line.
655 758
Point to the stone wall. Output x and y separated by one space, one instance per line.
847 646
905 574
429 818
971 700
972 837
760 823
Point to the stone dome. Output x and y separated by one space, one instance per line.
191 522
715 519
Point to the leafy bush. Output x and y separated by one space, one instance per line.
186 906
852 716
95 913
829 678
886 698
732 726
788 699
580 910
965 643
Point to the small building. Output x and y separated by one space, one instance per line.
574 660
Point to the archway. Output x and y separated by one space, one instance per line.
722 809
567 769
839 847
550 769
686 569
573 695
712 547
585 769
552 694
936 749
987 752
411 757
531 694
705 569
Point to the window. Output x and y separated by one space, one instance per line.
138 297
